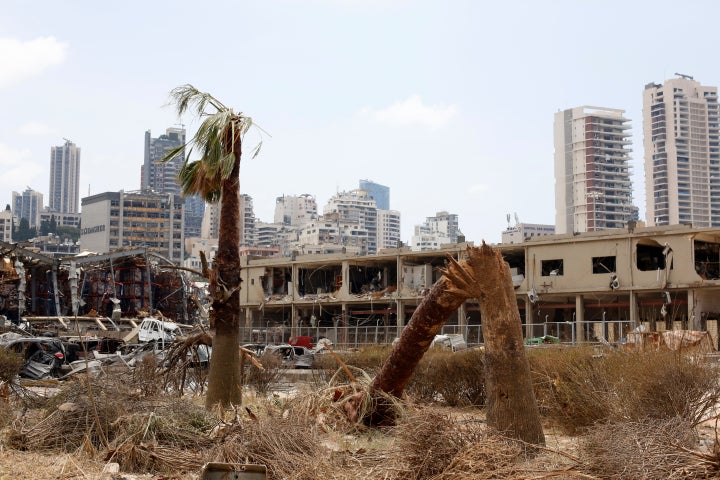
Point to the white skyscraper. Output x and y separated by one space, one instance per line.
65 178
593 190
681 126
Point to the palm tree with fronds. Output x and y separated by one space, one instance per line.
216 177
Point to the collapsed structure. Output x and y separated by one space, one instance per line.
132 282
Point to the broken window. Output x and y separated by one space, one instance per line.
603 265
650 256
552 267
707 259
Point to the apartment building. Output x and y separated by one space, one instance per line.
357 206
28 205
65 178
162 177
681 126
6 224
388 229
435 231
112 220
593 190
295 210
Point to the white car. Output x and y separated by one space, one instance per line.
292 356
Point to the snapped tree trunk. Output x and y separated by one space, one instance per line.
224 379
484 275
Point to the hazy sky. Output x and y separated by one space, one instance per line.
450 104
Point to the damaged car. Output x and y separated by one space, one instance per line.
292 356
44 356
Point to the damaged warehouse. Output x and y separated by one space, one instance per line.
126 283
595 287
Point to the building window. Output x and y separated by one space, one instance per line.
651 257
603 265
552 267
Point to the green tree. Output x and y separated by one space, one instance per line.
23 232
216 177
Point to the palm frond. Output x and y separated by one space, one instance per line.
186 97
173 153
220 133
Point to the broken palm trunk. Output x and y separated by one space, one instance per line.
511 405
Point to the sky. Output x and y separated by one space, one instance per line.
450 104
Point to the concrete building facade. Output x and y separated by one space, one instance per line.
525 231
357 206
681 126
388 229
6 224
65 178
435 231
595 286
593 190
112 220
295 210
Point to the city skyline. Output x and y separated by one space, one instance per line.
451 107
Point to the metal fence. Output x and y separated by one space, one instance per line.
363 336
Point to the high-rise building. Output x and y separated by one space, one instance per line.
356 206
65 178
112 220
388 222
162 177
379 193
28 205
247 221
441 229
593 190
210 227
211 221
295 210
681 126
159 176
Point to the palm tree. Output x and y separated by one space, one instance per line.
216 177
483 274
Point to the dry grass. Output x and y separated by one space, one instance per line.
456 379
265 379
661 450
320 434
577 387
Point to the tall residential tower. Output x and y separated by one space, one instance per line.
681 126
593 190
65 178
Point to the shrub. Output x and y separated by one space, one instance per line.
577 387
264 380
453 378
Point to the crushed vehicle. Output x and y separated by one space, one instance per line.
44 357
450 341
292 356
158 330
